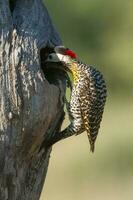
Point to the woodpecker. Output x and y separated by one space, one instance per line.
88 96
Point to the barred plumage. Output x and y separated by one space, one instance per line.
87 101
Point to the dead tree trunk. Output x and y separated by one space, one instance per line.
30 107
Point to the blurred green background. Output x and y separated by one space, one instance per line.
101 33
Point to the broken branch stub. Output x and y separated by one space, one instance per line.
30 107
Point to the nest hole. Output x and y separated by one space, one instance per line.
49 73
52 73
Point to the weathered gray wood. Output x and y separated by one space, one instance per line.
30 107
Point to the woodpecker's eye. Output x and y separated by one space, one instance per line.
50 57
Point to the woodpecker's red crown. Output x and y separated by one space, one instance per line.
65 51
70 53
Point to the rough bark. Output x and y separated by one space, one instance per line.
31 108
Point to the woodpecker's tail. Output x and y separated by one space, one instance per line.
92 143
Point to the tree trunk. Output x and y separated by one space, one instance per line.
31 108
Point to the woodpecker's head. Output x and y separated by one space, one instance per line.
62 55
64 59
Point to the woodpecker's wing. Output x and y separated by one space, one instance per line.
87 126
92 104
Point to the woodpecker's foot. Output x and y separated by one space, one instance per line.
51 141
